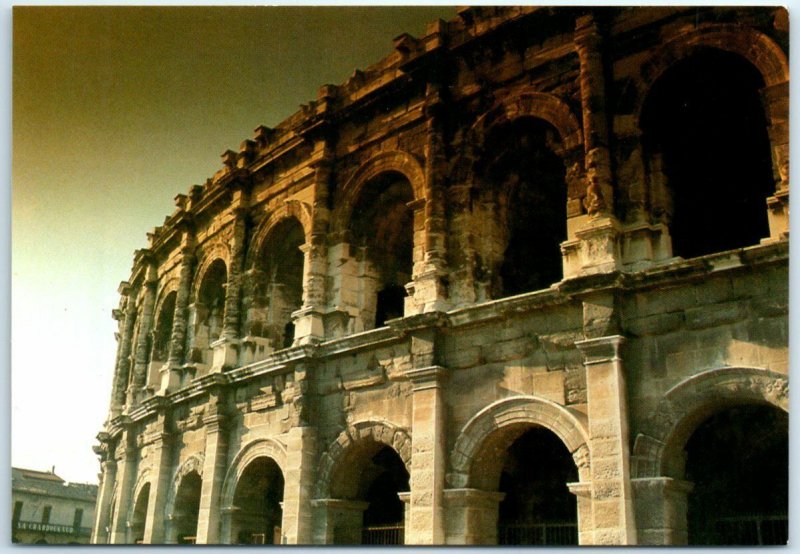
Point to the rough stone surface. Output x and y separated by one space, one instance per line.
372 276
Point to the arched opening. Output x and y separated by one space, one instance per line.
282 261
140 515
187 508
163 330
737 460
382 227
374 477
522 207
538 507
208 312
257 514
708 153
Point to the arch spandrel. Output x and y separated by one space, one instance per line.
258 448
657 448
346 445
475 454
395 161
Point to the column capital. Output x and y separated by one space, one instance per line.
427 377
582 488
600 350
664 484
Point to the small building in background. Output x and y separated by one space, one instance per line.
48 510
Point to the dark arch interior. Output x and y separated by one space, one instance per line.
738 462
384 224
187 508
528 179
211 299
283 263
538 507
259 492
164 328
705 120
140 514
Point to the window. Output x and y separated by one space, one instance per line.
76 522
17 511
46 514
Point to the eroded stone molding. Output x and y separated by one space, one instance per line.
259 448
657 448
381 432
509 414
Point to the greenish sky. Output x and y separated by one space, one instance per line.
115 111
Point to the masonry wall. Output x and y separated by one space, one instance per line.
621 358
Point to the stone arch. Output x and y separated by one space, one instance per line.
394 161
530 103
142 480
755 47
217 250
381 432
170 285
505 415
301 211
657 448
192 463
259 448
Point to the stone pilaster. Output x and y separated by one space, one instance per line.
299 479
661 507
145 326
429 288
100 529
226 349
472 516
598 250
122 373
583 494
161 467
612 497
776 105
126 473
428 457
170 374
214 467
308 321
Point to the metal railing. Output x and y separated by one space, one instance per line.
549 533
393 533
754 529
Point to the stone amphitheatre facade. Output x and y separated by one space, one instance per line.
524 280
